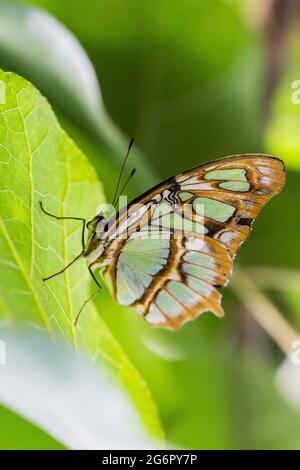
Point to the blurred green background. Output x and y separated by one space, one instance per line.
192 81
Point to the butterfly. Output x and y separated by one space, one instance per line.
170 251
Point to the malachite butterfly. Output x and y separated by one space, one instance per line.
169 251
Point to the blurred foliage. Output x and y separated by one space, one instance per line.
186 79
282 134
169 78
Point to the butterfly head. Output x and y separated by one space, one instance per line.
97 224
96 228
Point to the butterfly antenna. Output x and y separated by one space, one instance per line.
121 173
127 181
123 189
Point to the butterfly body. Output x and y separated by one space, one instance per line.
168 253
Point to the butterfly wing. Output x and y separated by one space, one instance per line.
196 222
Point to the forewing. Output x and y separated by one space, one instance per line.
233 191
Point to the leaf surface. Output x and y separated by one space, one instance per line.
39 162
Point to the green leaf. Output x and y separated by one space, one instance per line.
39 162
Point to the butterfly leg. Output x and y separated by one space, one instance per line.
63 269
91 296
67 218
84 304
82 239
93 275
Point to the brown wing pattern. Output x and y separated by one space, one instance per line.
175 280
265 176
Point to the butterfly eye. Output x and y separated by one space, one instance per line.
92 224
